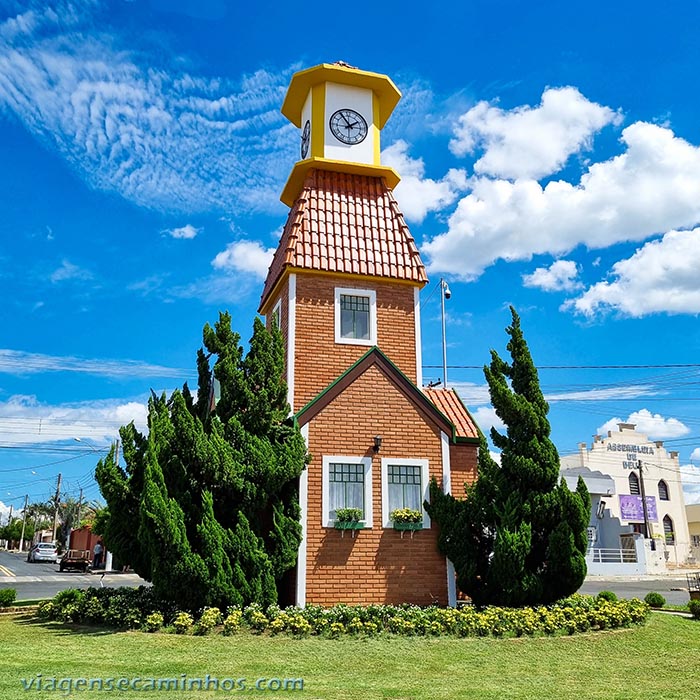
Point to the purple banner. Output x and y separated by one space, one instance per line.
631 508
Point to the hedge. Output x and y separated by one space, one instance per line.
140 609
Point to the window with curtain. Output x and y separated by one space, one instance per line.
346 487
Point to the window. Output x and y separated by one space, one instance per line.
695 539
347 483
277 315
668 530
404 485
355 316
634 484
663 491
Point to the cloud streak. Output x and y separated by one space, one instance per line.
163 140
17 362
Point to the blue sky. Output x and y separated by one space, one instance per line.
550 156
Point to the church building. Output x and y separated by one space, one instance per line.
344 287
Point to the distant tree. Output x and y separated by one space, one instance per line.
519 535
206 507
12 532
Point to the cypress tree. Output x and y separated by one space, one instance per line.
519 535
206 506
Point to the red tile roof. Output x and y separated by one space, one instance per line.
448 403
346 223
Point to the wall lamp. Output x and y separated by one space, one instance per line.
377 442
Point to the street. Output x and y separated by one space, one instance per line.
44 580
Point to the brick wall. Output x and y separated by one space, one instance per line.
463 457
378 565
319 360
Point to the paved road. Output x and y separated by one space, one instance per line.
44 580
675 590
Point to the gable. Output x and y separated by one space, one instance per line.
377 361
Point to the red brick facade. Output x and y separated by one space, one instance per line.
378 565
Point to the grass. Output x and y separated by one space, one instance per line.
657 661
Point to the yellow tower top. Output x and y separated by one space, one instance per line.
340 111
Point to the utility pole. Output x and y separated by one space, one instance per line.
80 506
647 534
57 499
444 294
24 522
9 518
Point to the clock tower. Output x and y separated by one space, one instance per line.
340 112
343 288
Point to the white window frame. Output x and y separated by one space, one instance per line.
277 314
372 296
327 521
424 482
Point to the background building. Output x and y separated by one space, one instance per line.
618 469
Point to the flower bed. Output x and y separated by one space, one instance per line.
139 609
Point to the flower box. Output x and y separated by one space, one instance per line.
348 525
408 526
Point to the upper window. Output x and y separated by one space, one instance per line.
663 491
355 316
277 315
404 485
634 484
347 483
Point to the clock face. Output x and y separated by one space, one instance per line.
348 126
305 140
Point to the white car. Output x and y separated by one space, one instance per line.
43 551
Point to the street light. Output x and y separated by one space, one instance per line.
445 293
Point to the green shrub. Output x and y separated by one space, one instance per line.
182 623
694 607
153 622
7 597
654 599
607 595
210 618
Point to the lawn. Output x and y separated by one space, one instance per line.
658 661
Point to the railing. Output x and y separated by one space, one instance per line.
612 556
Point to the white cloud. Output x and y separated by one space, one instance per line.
629 391
160 137
695 455
245 256
651 188
529 142
186 232
17 362
69 271
690 478
654 426
27 421
486 419
661 277
559 276
472 394
417 195
4 513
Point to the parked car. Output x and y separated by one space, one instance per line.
76 559
43 551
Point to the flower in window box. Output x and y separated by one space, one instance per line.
348 519
406 519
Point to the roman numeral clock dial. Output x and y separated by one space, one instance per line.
348 126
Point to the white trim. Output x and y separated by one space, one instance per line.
372 296
326 521
291 336
424 481
277 313
304 508
447 488
419 349
446 467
